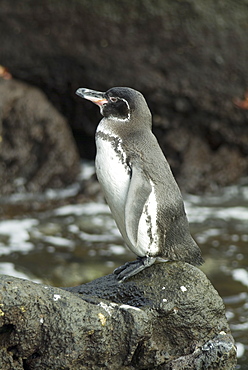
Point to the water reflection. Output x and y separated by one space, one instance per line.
58 239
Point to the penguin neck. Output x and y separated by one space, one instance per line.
122 128
113 127
107 127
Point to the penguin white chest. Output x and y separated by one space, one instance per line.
113 174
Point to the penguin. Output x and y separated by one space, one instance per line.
138 184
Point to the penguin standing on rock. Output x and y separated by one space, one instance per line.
138 184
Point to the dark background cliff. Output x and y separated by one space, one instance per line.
189 59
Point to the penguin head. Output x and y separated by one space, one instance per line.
120 104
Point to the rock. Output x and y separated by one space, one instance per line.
221 166
167 317
37 149
188 58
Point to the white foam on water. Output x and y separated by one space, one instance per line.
236 213
240 349
209 233
96 238
70 191
200 214
87 170
58 241
82 209
117 249
17 232
240 275
7 268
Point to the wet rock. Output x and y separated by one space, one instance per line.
37 149
221 166
167 317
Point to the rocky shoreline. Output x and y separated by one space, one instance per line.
188 59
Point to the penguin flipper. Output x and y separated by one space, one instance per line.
138 193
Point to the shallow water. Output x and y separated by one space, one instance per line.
58 239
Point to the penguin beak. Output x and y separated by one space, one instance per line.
96 97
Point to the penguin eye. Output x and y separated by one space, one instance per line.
113 99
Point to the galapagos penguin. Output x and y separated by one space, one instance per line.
138 184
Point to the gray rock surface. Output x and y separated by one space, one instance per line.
37 149
189 59
167 317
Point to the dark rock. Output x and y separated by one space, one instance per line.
167 317
188 58
37 149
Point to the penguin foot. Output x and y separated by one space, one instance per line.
132 268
